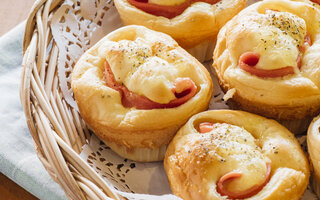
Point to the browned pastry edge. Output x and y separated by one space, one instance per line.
279 113
132 138
190 175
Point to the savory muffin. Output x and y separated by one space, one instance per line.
313 139
194 24
224 154
136 87
268 56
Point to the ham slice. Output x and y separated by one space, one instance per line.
316 1
307 43
205 127
165 11
243 194
249 60
183 89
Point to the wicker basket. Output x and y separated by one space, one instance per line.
57 129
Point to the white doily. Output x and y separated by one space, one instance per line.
76 26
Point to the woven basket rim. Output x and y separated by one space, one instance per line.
52 123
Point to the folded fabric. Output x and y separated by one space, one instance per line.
18 159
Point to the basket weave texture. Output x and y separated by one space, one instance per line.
56 128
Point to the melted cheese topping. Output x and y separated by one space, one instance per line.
237 150
167 2
276 36
196 161
148 69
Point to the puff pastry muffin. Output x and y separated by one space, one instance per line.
268 57
136 87
313 139
224 154
194 24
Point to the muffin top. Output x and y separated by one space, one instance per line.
270 53
223 153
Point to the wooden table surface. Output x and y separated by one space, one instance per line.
12 12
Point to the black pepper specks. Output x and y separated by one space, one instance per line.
120 166
132 165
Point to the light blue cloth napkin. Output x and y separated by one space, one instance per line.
18 159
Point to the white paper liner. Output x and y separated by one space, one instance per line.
203 51
125 175
76 26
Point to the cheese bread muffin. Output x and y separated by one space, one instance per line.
136 87
268 58
194 24
224 154
313 139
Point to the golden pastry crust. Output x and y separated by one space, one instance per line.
195 161
313 139
295 96
198 24
101 106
